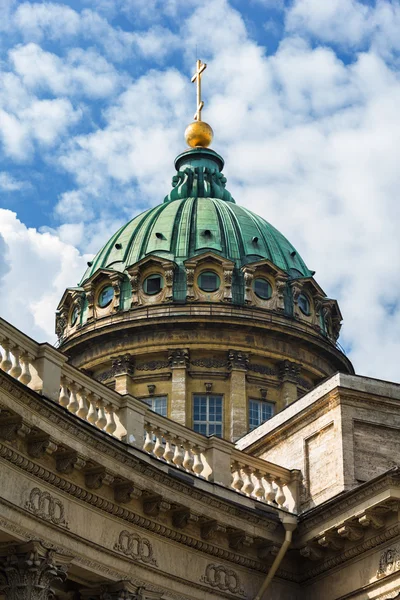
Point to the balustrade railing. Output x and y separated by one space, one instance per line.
46 370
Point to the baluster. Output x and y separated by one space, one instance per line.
16 367
178 454
259 488
111 425
237 482
101 415
159 447
248 485
26 376
169 451
92 414
73 404
149 441
82 411
6 363
269 490
64 395
188 458
280 495
197 464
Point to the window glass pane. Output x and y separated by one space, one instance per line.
207 414
105 296
259 411
153 284
209 282
262 288
158 404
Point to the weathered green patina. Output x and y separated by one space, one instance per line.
198 215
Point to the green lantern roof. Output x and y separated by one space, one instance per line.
197 216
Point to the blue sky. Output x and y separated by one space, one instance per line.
303 98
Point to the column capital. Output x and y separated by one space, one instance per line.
28 571
238 360
289 371
178 358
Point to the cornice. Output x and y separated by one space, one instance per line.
112 448
347 500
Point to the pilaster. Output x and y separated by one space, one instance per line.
179 360
236 411
288 373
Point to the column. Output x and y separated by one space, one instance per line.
236 410
29 571
288 373
120 590
179 361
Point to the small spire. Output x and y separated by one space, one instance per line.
199 134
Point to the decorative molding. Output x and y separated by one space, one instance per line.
134 519
46 507
263 369
226 580
389 561
136 547
152 365
209 363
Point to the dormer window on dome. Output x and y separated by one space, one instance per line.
105 296
153 284
209 281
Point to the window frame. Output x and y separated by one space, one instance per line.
208 272
207 422
150 403
153 276
260 402
102 289
264 279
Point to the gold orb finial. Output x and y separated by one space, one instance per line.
198 133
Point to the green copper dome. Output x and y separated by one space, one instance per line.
198 215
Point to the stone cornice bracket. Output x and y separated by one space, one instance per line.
351 532
124 491
238 360
68 460
311 552
239 539
178 358
209 528
289 371
154 504
38 443
28 571
96 476
11 426
181 517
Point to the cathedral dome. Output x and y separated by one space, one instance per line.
198 215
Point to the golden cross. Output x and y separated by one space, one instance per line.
197 77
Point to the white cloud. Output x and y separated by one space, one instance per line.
34 274
8 183
81 72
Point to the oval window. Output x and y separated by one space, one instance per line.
262 289
153 284
74 316
304 304
208 281
105 296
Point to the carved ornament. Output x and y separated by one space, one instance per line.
389 561
221 578
238 360
136 547
46 507
178 358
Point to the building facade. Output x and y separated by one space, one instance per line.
198 433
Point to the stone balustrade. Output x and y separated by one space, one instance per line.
46 371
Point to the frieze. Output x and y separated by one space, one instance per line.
46 507
262 369
127 515
108 448
152 365
209 363
226 580
389 561
136 547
